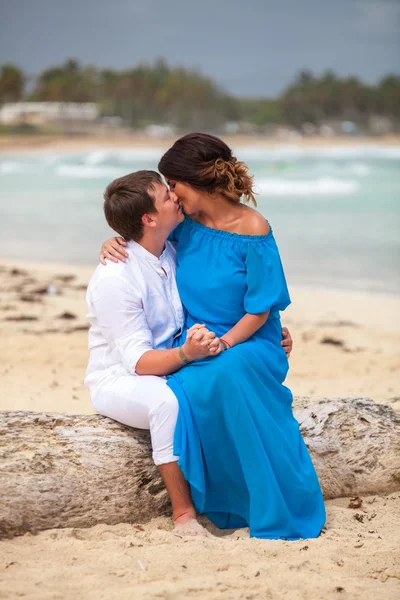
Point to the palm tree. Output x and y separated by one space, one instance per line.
12 82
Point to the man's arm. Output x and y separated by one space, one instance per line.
164 362
119 311
159 362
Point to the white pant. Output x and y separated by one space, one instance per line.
143 401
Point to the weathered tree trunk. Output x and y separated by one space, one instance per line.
75 471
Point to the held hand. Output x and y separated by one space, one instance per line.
287 341
216 347
202 345
208 338
113 249
194 329
200 332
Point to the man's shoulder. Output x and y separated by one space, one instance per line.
110 269
116 274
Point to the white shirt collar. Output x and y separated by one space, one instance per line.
141 252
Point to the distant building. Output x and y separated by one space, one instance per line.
42 113
379 125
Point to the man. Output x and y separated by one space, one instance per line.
135 314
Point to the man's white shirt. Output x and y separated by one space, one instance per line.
133 307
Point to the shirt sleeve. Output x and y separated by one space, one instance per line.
122 320
266 283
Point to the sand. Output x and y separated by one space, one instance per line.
346 344
352 559
65 144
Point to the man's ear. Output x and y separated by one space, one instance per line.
148 221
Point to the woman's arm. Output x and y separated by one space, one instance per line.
245 328
286 343
252 224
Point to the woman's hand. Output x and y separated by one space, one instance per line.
287 341
113 249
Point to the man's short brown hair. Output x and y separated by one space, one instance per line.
127 199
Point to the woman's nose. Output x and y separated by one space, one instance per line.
174 197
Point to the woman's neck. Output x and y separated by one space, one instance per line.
217 212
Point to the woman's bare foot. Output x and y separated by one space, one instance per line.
187 525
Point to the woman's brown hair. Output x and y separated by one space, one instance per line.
206 163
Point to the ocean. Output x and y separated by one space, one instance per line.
335 211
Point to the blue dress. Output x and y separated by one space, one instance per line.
239 444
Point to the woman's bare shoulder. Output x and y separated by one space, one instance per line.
253 223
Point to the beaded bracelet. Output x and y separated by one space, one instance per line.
182 356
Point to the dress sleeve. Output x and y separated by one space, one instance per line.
266 283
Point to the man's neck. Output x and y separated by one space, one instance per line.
153 245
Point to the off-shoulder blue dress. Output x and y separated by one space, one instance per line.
239 444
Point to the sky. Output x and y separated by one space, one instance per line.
250 47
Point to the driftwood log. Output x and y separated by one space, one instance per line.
75 471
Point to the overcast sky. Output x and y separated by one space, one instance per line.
251 47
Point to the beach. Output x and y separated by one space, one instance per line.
334 209
352 560
74 143
345 344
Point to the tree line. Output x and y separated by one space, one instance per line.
186 99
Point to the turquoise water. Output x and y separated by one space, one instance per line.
335 211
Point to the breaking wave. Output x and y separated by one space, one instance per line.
323 186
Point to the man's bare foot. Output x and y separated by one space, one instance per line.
187 525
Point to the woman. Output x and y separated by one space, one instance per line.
240 447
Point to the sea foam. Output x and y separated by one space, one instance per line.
316 187
88 171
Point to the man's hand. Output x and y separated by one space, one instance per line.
287 341
201 343
194 329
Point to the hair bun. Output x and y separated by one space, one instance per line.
233 179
